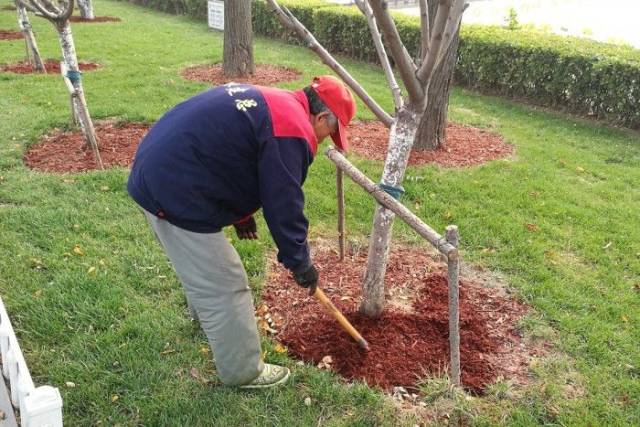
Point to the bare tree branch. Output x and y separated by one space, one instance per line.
287 19
26 6
51 7
42 11
435 43
405 64
382 54
453 24
425 30
68 10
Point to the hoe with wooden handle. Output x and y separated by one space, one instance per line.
333 310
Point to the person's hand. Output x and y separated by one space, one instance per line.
308 279
247 229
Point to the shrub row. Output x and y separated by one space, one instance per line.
581 76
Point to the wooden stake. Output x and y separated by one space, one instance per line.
392 204
453 267
341 234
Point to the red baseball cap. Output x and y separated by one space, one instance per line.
338 98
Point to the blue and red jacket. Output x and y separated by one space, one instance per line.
218 157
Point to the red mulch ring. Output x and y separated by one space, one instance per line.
51 65
265 75
464 145
67 152
410 340
10 35
95 20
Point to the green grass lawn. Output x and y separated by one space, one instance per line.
110 316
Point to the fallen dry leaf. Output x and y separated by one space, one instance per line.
78 250
279 348
532 227
115 398
325 363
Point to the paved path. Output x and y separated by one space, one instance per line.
613 20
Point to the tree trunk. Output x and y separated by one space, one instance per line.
74 84
86 9
401 140
238 39
32 47
433 124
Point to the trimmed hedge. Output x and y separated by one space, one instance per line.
345 30
266 23
582 76
194 8
579 75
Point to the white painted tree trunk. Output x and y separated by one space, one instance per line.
86 9
401 140
32 47
74 84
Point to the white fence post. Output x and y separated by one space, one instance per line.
39 407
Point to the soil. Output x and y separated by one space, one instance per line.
265 75
410 340
10 35
67 151
51 65
8 7
95 20
464 145
62 152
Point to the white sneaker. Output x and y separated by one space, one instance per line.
271 376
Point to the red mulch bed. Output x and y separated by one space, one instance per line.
10 35
410 340
54 158
464 145
67 152
265 75
51 65
95 20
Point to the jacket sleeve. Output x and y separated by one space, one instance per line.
282 169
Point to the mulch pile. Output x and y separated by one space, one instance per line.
67 152
410 340
464 145
265 75
10 35
62 151
51 65
95 20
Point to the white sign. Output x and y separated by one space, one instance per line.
216 14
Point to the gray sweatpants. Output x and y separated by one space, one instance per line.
218 291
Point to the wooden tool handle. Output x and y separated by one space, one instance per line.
346 325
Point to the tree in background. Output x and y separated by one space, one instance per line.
237 58
86 9
417 76
432 129
58 12
33 54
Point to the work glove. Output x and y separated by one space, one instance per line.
308 279
247 229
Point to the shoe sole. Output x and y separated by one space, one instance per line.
257 387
